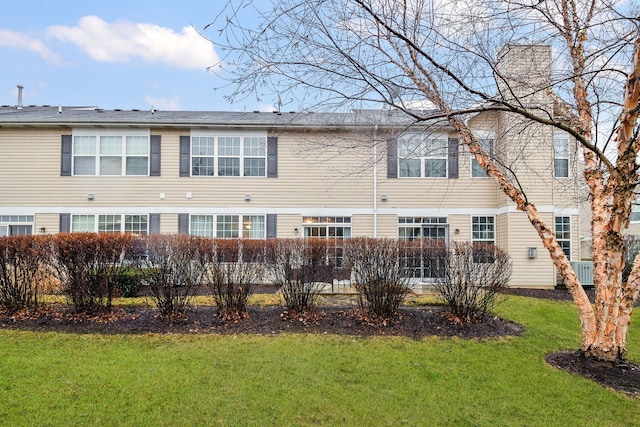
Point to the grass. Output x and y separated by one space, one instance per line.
65 379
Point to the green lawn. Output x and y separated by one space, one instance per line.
64 379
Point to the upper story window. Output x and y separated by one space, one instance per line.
422 156
110 154
228 156
561 155
487 142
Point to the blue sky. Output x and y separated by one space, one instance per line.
112 54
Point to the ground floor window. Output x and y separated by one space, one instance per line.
423 240
483 237
335 229
112 223
228 226
563 234
13 225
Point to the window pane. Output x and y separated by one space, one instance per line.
83 223
137 146
436 148
84 165
202 166
561 147
201 225
561 168
410 168
109 223
229 146
255 147
84 145
227 226
228 166
476 170
435 168
110 165
111 145
137 165
410 147
254 167
135 224
253 227
202 146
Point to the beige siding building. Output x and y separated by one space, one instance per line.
262 175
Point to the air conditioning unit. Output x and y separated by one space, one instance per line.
584 271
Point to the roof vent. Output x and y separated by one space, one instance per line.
20 87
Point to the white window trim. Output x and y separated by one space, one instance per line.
123 133
495 229
635 208
7 221
555 229
240 224
96 220
226 133
557 135
482 135
445 156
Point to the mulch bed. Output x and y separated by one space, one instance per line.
412 322
415 322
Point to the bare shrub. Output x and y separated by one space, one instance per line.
23 267
472 277
86 263
300 269
238 265
174 267
378 275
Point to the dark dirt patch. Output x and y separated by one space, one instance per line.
621 376
414 322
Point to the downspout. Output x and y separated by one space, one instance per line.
375 182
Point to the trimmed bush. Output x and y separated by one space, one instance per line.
378 275
23 268
299 268
238 265
472 279
175 266
86 264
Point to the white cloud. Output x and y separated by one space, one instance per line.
167 104
122 41
21 41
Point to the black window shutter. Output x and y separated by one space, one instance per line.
272 226
154 160
65 223
65 155
392 158
185 154
453 158
154 223
272 157
183 223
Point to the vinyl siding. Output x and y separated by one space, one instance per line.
538 272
